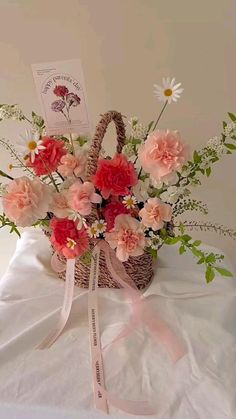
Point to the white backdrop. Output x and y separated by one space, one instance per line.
126 46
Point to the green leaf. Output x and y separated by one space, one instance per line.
210 258
182 249
201 261
232 116
172 240
181 228
136 141
196 157
223 272
208 171
150 125
196 252
197 243
209 274
234 137
186 238
224 124
230 146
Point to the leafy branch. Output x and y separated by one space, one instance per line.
208 226
189 205
210 260
5 222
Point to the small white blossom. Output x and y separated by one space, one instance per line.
229 129
171 195
194 181
217 145
154 241
133 120
167 180
2 189
183 182
76 217
140 190
185 172
129 201
139 131
97 228
30 144
11 112
205 162
128 150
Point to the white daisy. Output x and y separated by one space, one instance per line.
97 228
169 91
30 144
75 216
129 201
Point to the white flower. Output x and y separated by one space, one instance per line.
70 243
169 91
194 181
2 189
76 217
171 195
30 144
139 131
229 129
97 228
217 145
140 190
154 241
185 172
168 180
11 112
133 120
129 201
206 162
183 182
128 150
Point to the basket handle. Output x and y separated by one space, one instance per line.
101 128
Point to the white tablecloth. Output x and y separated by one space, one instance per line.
56 383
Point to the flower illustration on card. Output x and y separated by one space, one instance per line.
67 100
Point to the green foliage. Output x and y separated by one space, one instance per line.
153 252
5 222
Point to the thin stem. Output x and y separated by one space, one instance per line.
72 145
27 119
16 156
49 174
159 117
3 174
62 178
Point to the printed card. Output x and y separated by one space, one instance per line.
61 90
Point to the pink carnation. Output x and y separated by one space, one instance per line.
127 237
81 196
59 205
47 160
26 201
163 153
67 239
111 211
154 213
114 177
73 165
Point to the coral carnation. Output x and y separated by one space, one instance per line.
115 176
73 165
67 239
81 196
26 201
111 211
47 160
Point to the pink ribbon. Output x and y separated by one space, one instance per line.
141 313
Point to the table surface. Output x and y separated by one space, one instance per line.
57 382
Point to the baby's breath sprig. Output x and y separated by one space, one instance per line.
10 148
207 226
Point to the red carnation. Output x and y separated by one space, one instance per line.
67 239
111 211
115 176
48 159
60 91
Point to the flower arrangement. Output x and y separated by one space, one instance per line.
134 199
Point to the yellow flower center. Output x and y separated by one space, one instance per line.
93 231
129 202
100 226
71 244
10 166
168 92
32 145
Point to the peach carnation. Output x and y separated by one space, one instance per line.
73 165
81 196
67 239
127 237
114 177
155 213
163 153
60 206
26 201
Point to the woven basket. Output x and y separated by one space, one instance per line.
138 268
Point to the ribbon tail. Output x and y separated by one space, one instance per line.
66 308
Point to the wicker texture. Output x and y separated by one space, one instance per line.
138 268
